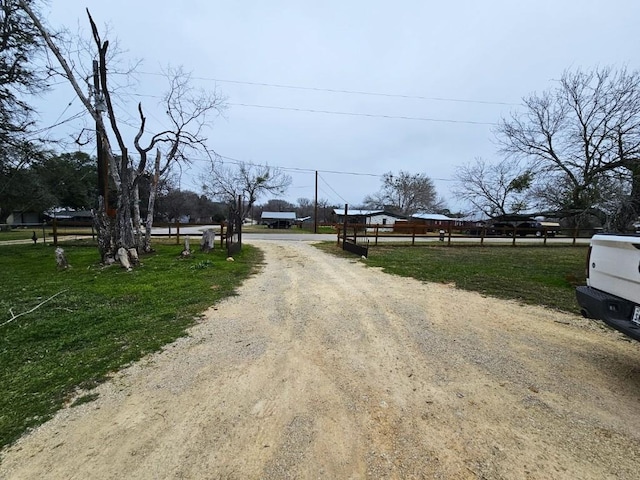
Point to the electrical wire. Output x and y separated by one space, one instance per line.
331 188
350 114
344 91
358 114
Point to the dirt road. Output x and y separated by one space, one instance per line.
323 368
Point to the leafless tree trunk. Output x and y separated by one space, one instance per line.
61 258
186 252
153 194
106 233
186 110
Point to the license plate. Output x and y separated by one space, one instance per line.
636 316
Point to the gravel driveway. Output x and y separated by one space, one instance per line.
323 368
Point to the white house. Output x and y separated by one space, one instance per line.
435 220
369 217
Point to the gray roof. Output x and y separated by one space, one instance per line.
432 216
364 213
279 216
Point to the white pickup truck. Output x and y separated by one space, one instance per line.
612 293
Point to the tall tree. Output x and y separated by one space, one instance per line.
405 194
71 179
183 133
25 192
20 45
245 180
495 188
579 133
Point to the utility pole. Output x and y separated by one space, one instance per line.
103 167
315 208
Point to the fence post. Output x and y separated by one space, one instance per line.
344 234
177 232
483 232
413 235
575 234
55 232
44 234
449 236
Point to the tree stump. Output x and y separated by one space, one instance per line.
208 240
133 256
123 258
187 248
61 259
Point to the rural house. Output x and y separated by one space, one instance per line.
369 217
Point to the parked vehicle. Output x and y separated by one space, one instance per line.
501 228
612 293
280 224
536 228
529 227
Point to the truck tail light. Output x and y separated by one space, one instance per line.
586 271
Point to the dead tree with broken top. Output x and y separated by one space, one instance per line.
187 112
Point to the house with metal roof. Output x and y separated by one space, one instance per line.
278 219
368 217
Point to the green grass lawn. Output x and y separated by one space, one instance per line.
531 274
100 319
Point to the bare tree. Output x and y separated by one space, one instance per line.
495 188
405 193
245 180
586 129
306 207
187 114
187 111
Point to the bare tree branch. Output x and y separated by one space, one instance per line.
246 180
15 317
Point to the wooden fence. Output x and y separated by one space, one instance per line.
419 233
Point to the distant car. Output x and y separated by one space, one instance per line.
280 224
501 229
535 228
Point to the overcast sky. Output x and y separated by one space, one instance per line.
447 72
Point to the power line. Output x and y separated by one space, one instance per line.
336 90
357 114
350 114
236 161
331 188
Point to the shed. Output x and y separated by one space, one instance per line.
280 217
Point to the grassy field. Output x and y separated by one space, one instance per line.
99 320
531 274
